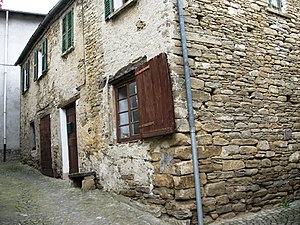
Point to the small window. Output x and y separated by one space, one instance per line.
44 56
25 76
32 136
40 61
144 103
127 111
112 6
68 31
276 4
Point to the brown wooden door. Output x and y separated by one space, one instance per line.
45 136
72 139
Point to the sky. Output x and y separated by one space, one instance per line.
35 6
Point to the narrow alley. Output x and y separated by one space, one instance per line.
27 197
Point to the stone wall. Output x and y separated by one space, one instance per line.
245 83
244 77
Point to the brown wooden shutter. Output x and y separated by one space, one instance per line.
155 97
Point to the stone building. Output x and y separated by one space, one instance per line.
89 61
13 26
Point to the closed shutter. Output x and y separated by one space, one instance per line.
108 8
44 55
155 97
35 65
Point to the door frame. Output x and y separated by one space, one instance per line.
64 138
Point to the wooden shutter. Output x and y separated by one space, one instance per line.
22 79
64 34
27 74
44 55
35 65
70 29
108 8
155 97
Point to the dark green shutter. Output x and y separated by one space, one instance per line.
35 65
27 74
64 34
44 55
22 79
108 8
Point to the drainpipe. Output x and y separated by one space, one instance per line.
191 113
5 89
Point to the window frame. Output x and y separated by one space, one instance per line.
272 6
25 70
44 56
110 11
155 98
67 32
121 84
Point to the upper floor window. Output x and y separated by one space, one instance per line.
144 103
68 31
111 6
25 76
40 61
276 4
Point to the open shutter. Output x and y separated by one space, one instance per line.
35 65
64 34
27 74
22 79
108 8
44 55
155 97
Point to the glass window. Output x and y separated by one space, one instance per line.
128 114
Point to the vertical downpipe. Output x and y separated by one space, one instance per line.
5 89
191 114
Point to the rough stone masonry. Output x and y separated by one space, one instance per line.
244 63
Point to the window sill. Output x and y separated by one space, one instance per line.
277 12
67 51
121 9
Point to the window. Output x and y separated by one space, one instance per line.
25 76
40 61
127 108
44 56
275 4
111 6
68 31
144 103
32 136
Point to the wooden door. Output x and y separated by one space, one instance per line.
45 136
72 139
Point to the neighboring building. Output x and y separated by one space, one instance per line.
21 25
85 67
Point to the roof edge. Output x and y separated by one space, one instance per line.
48 20
22 12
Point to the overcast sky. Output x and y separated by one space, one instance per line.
36 6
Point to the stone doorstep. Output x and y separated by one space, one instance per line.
84 180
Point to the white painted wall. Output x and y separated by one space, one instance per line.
21 27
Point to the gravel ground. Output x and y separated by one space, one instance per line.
27 197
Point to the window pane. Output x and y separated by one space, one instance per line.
135 128
135 116
123 119
117 4
124 132
132 88
122 93
275 3
133 102
123 105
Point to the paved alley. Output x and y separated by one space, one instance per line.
27 197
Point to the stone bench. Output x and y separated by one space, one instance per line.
85 180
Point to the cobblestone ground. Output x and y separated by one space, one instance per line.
288 215
27 197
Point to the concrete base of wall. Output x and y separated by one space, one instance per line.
11 154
